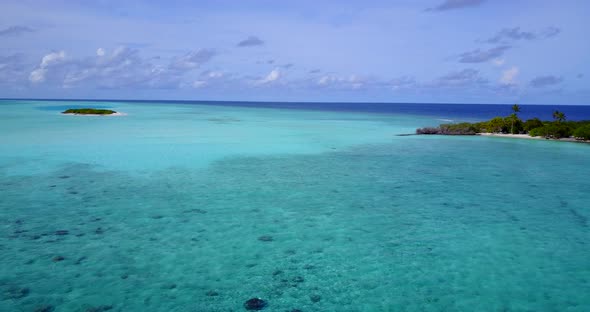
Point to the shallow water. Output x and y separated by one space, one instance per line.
199 208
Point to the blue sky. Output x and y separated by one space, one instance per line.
453 51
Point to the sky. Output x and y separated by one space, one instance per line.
430 51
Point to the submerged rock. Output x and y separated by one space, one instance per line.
255 304
45 308
265 238
212 293
62 232
315 298
58 259
17 292
298 279
196 210
101 308
169 286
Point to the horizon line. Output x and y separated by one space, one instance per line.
287 102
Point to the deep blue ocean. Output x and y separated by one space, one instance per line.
466 112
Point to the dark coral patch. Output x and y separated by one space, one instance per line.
315 298
255 304
45 308
17 292
265 238
212 293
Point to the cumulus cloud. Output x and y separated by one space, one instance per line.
341 82
465 77
193 59
49 60
213 74
199 84
15 31
513 34
250 42
499 62
123 67
480 56
456 4
545 81
402 83
509 76
209 77
273 76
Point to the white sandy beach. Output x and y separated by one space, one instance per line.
114 114
526 136
514 136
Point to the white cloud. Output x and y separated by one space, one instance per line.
273 76
509 76
209 78
214 74
38 75
349 82
199 83
325 80
498 62
51 59
192 60
402 83
121 68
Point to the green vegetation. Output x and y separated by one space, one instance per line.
532 124
556 129
582 132
89 111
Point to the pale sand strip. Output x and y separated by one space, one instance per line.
114 114
526 136
514 136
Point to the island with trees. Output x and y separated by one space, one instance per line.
512 126
90 111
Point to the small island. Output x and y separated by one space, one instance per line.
512 126
90 111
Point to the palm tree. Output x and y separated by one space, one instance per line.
558 116
515 109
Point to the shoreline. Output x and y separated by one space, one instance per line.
504 135
102 115
526 136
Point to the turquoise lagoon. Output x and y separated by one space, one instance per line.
177 207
